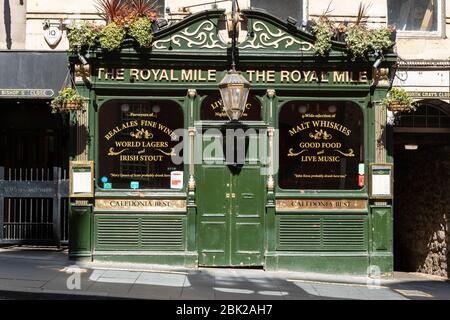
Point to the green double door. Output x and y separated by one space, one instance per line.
230 210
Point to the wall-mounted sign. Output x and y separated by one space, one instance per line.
321 204
81 179
52 33
137 140
26 93
321 145
430 94
292 76
381 180
157 205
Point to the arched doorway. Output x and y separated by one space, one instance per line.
422 184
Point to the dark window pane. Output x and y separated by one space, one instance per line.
211 108
413 15
321 145
135 143
445 122
281 8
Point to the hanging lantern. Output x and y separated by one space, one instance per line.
234 89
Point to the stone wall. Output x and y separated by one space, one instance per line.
422 210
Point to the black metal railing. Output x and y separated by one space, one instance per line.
33 205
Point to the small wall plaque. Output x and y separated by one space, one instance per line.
381 181
81 179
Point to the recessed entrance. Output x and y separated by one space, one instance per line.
33 174
422 181
231 205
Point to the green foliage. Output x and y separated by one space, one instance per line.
381 39
323 32
66 95
81 36
361 40
111 37
140 30
358 41
400 96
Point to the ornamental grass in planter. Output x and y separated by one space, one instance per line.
125 20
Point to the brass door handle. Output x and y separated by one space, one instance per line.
233 195
227 195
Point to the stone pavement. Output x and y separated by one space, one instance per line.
46 273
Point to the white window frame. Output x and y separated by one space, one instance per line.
439 33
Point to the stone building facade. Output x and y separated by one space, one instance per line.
422 203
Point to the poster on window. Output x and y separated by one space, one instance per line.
321 145
136 144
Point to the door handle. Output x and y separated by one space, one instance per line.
227 195
233 195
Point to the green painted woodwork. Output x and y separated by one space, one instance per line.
185 259
80 231
230 208
381 228
332 263
382 239
245 230
322 233
153 232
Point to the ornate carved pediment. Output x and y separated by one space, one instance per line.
265 34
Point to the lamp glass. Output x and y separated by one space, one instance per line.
234 89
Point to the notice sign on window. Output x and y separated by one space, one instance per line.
176 180
381 181
81 179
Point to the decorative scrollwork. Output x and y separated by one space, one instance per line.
114 153
350 153
265 38
320 134
203 36
291 152
142 134
170 153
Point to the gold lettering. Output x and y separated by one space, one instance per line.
284 76
145 74
250 75
164 75
155 73
120 74
134 73
211 75
186 75
100 72
338 76
172 76
200 78
324 77
296 76
270 76
363 76
260 75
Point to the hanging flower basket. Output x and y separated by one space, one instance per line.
398 100
68 100
397 106
74 105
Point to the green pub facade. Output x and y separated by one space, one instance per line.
297 192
